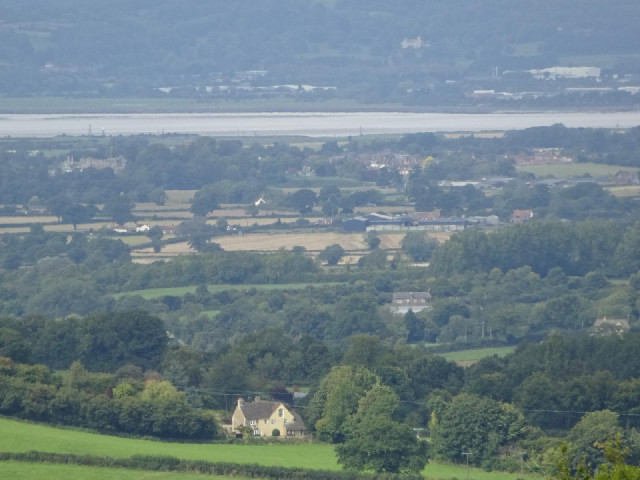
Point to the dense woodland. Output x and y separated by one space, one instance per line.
79 347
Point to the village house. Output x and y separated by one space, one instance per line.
415 301
117 164
521 216
610 326
431 216
263 418
425 221
625 178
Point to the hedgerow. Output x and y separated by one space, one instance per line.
173 464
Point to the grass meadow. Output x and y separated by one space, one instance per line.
471 356
59 105
573 169
152 293
21 437
36 471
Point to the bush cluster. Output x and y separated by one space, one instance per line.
158 409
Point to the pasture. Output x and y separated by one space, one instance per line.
22 437
152 293
445 471
36 471
565 170
468 357
74 105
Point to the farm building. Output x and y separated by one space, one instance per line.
415 301
354 225
264 418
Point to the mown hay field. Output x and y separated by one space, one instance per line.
269 242
311 241
27 219
625 191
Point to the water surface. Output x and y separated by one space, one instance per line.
308 124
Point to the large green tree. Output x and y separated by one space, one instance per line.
205 200
302 200
111 340
332 254
592 431
475 425
419 246
119 208
336 399
376 441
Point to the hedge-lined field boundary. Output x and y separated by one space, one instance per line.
173 464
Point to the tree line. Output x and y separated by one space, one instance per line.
103 402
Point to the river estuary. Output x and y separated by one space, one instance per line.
307 124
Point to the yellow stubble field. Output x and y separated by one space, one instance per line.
263 242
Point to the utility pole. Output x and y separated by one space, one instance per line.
466 454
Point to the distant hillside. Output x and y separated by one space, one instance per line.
370 50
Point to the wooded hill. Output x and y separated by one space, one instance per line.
370 50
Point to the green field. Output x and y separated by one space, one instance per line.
151 293
573 170
34 471
181 105
598 60
467 356
22 437
443 471
133 240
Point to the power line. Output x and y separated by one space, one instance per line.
622 414
237 393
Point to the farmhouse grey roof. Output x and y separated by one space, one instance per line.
402 296
297 424
259 409
263 409
411 296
